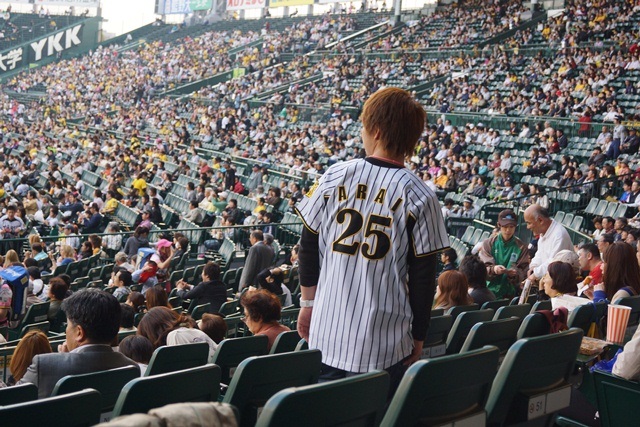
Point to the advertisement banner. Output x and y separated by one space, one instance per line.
172 7
334 1
281 3
245 4
75 3
40 49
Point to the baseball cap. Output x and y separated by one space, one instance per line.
468 200
68 227
163 243
507 217
569 257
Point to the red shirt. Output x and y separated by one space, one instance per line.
596 274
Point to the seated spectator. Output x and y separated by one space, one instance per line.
91 220
127 317
559 280
164 254
36 287
112 241
136 300
58 289
210 290
618 281
262 311
140 239
448 258
453 290
86 251
137 348
272 280
122 280
214 326
476 273
193 214
146 276
29 346
163 326
96 246
156 296
121 260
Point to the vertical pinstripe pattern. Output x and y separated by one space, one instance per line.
362 318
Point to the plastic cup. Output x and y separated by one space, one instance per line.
617 323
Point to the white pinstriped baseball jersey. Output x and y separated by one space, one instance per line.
367 217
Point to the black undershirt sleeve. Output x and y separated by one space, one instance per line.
309 259
422 288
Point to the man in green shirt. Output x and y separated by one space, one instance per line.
506 257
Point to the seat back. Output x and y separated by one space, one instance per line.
436 341
461 327
258 378
79 409
500 333
615 398
229 308
494 305
435 312
231 352
199 310
581 317
109 383
519 311
535 370
634 303
455 311
285 342
357 400
464 381
37 313
18 394
541 305
534 325
201 384
177 357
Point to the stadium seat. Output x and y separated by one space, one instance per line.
455 311
18 394
37 313
535 370
358 400
177 357
199 310
581 317
436 340
258 378
634 303
541 305
615 398
302 345
285 342
494 305
231 352
79 409
109 383
201 384
531 299
435 312
229 308
461 327
463 384
499 333
519 311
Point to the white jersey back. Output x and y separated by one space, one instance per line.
368 217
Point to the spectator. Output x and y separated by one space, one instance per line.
136 300
618 282
127 317
29 346
93 318
147 276
210 290
559 280
137 348
121 260
272 279
156 297
58 289
476 273
260 256
140 239
214 326
590 260
122 280
262 313
453 290
113 240
449 257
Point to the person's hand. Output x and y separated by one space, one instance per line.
533 278
63 348
499 269
304 321
512 273
416 354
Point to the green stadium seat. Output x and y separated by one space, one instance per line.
559 217
463 384
611 209
357 401
109 383
591 207
80 409
18 394
581 317
199 310
177 357
535 370
520 311
201 384
230 308
285 342
531 299
42 326
457 310
577 222
468 233
601 208
435 312
494 305
616 396
435 343
302 345
231 352
499 333
634 303
461 327
541 305
257 379
37 313
621 211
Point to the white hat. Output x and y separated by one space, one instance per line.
569 257
190 336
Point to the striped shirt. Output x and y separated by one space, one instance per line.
368 215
